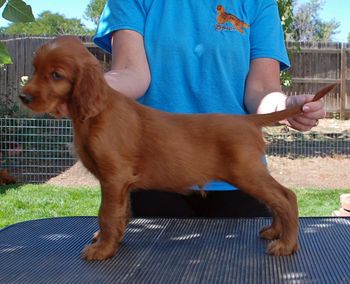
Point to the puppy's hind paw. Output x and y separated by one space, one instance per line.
98 251
280 248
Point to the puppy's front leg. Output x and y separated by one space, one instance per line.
113 216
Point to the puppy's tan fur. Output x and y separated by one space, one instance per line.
127 146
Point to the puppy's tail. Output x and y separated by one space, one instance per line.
271 118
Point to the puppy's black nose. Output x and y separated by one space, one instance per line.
26 99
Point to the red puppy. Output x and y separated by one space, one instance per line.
127 145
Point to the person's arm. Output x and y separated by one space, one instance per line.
129 74
263 95
263 92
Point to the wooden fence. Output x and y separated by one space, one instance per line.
21 51
313 66
316 64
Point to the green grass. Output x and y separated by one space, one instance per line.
26 202
318 202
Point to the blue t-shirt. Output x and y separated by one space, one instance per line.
199 52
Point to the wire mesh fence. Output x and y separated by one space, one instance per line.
311 144
34 150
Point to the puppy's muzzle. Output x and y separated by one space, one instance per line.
25 98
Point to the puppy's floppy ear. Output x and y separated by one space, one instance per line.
89 97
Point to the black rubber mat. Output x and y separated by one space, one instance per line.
174 251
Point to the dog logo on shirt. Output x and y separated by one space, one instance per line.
223 18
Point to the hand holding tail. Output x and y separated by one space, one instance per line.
312 109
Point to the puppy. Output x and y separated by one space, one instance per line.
127 145
5 178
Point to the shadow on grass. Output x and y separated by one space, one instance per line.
5 188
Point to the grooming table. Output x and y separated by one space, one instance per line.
174 251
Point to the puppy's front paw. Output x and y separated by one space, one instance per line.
98 251
281 248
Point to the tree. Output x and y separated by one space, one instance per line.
349 38
50 24
94 10
285 8
308 25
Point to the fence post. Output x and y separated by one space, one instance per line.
343 78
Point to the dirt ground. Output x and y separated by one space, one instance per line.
316 173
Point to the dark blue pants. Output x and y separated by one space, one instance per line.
235 203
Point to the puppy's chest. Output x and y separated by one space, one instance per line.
86 154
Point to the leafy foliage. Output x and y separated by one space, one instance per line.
14 11
50 24
17 11
285 8
94 10
308 25
4 55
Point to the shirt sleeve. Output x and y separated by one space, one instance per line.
119 15
266 37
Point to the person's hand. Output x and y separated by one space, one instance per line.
312 112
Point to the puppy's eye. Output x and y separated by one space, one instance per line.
56 76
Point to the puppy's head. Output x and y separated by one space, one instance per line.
65 72
220 9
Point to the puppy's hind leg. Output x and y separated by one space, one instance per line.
257 182
273 231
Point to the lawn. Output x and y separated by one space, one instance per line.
25 202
